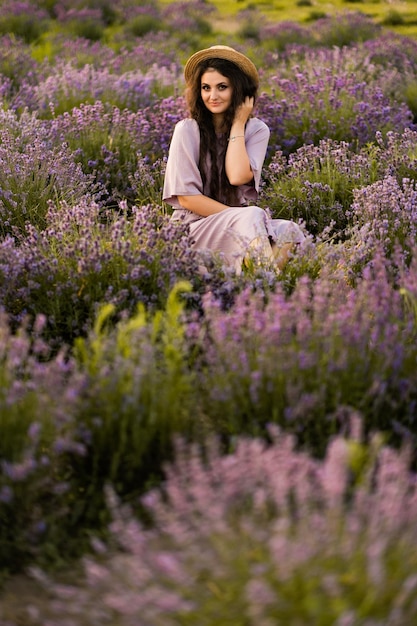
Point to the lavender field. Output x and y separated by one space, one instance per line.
192 448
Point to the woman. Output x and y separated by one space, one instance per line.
215 160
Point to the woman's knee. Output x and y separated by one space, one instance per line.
295 233
255 212
290 233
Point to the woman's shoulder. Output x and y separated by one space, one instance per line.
187 125
255 125
186 136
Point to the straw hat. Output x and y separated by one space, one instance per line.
221 52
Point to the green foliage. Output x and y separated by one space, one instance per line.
250 30
203 26
139 394
410 96
393 18
316 15
143 24
316 184
27 27
86 28
108 10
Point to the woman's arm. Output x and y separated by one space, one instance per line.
202 205
237 164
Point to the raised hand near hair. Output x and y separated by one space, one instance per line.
237 164
244 110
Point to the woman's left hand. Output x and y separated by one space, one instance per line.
244 110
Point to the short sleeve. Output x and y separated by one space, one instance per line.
257 139
182 175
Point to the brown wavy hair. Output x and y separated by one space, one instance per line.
220 188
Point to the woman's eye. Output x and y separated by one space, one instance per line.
219 87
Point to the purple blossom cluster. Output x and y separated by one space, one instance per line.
288 38
68 86
387 212
319 101
83 258
114 145
263 535
22 7
16 64
68 14
315 184
33 172
389 50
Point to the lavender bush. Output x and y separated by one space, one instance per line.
278 37
114 145
83 22
138 394
392 50
189 17
317 183
345 29
396 155
33 173
345 337
387 213
16 64
323 99
60 8
67 86
81 260
24 19
261 536
39 393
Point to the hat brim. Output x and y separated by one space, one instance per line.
221 52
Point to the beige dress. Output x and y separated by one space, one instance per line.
233 231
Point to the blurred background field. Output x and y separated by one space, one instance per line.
400 15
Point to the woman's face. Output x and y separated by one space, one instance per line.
216 92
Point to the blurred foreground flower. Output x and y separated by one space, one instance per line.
265 535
